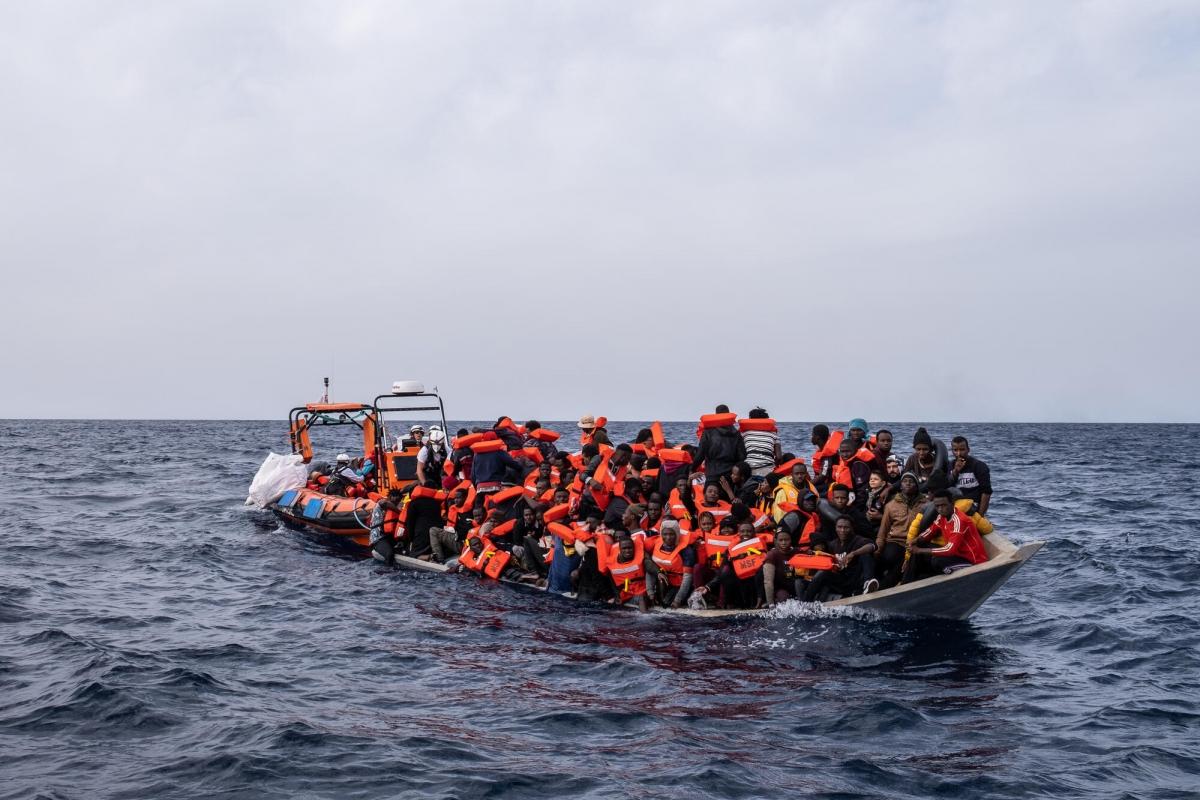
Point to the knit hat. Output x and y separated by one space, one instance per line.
860 423
922 437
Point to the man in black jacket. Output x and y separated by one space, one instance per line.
720 448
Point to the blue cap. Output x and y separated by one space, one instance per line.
859 423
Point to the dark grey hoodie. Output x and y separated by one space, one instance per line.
720 449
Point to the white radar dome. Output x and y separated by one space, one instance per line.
408 387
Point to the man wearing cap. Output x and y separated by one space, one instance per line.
857 432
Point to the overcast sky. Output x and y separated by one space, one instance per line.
899 210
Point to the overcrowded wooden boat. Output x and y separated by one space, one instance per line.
391 466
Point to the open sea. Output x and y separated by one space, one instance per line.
160 640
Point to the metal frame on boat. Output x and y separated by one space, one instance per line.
396 466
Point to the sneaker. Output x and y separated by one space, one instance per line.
871 586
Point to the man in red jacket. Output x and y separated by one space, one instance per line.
963 546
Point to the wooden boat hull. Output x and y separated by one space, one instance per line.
954 596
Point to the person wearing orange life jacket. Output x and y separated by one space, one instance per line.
670 565
963 547
627 568
509 433
384 518
737 576
720 447
790 489
853 470
541 438
825 454
712 552
803 523
483 558
854 569
761 438
712 502
856 431
587 430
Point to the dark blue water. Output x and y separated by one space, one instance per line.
157 639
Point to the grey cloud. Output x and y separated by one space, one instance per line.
906 211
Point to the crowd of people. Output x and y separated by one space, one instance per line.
730 520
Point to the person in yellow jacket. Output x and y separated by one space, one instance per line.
790 489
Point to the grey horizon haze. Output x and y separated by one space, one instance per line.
895 210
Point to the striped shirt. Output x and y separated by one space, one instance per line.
760 448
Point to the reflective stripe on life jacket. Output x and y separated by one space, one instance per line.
670 562
629 577
716 545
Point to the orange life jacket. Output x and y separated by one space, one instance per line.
467 440
747 557
532 453
716 545
556 513
391 520
669 455
545 435
811 561
828 451
758 425
670 562
656 436
491 561
489 446
710 421
503 496
629 577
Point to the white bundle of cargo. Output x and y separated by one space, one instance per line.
277 474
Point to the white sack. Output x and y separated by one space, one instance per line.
276 475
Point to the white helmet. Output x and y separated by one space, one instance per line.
436 436
342 457
416 429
